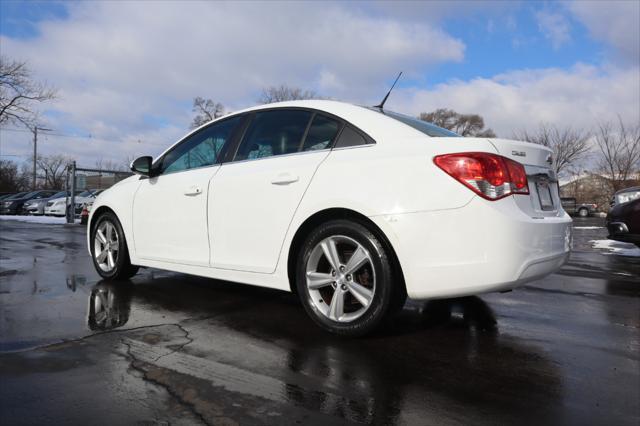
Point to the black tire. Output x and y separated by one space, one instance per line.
387 294
123 269
583 212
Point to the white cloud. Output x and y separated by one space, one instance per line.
580 97
554 27
119 64
615 22
128 71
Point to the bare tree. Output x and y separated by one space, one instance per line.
52 169
102 164
12 178
206 110
19 92
619 150
569 145
462 124
285 93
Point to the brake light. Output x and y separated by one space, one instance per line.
491 176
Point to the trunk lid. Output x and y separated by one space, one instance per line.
529 154
544 193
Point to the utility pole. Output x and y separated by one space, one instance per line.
35 152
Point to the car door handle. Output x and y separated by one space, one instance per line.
193 190
284 179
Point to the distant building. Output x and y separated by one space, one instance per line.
100 180
592 188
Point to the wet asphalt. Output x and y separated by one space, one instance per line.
169 348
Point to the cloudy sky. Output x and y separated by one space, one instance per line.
127 72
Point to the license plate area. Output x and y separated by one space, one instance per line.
544 195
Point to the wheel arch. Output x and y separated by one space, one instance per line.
339 213
97 213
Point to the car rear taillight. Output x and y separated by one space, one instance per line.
491 176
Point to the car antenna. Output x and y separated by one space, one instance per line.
381 106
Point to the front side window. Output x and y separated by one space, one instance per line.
200 149
321 134
271 133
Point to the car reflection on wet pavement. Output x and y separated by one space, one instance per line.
169 348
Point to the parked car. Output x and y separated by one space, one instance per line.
13 205
85 198
36 206
352 208
572 207
625 195
59 207
17 195
7 195
623 222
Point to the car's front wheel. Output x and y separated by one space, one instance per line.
109 249
583 212
345 278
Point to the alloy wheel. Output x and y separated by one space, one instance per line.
106 246
340 278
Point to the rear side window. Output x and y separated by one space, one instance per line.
350 137
322 132
273 133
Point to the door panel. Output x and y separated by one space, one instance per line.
170 217
251 205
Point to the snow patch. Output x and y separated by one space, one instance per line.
49 220
616 247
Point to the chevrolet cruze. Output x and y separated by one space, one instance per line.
352 208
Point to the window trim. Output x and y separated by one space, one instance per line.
231 158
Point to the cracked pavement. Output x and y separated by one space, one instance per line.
168 348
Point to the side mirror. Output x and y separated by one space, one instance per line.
142 165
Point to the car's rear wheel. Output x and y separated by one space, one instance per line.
583 212
345 278
109 249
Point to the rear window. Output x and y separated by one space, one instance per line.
421 126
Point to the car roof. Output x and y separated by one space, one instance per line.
630 189
371 122
378 126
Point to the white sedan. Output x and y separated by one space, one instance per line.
352 208
58 207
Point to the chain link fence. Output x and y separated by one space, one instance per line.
85 184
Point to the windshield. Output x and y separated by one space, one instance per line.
59 195
625 197
16 196
421 126
87 193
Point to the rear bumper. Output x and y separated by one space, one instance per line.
481 247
